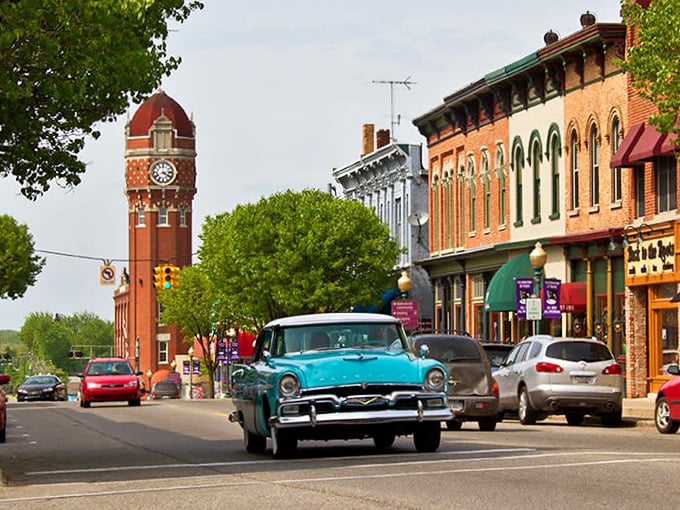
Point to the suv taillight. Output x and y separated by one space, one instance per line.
544 366
494 387
614 369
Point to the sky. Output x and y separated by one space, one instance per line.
278 92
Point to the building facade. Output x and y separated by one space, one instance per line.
160 185
390 179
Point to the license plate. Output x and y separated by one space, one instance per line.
582 379
456 406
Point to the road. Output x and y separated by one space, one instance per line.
185 454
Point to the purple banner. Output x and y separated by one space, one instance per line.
523 290
551 298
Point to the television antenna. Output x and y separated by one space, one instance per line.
392 83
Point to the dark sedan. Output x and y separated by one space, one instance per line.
164 389
41 387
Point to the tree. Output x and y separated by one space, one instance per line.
195 308
652 61
297 252
64 67
19 265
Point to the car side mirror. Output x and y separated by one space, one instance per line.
423 351
267 356
673 369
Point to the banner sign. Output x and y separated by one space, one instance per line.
551 298
523 290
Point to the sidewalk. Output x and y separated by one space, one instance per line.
639 410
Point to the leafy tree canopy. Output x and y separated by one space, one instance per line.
66 65
652 61
19 265
297 252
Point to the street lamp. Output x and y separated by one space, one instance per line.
232 335
537 258
173 365
404 283
191 372
640 236
149 373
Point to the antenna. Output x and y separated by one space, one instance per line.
418 219
392 83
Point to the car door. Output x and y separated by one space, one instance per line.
508 375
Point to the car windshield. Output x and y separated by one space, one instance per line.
579 351
39 379
450 349
109 368
296 339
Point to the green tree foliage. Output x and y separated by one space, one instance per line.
297 252
49 338
652 61
196 309
65 66
19 265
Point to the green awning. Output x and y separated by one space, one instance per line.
500 294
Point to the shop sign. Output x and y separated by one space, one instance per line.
652 257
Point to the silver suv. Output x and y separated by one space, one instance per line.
546 375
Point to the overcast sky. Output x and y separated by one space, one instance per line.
278 92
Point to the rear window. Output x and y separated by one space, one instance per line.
496 355
579 351
451 349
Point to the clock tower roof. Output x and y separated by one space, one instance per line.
160 104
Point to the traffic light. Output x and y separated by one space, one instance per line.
167 277
158 276
174 277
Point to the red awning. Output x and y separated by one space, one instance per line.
668 146
648 145
621 157
573 297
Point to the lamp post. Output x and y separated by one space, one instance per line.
231 334
149 373
537 258
404 284
173 365
191 372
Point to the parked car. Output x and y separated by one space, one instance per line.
4 379
472 393
546 375
110 380
164 389
667 407
338 376
41 387
496 353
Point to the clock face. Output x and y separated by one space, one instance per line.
163 172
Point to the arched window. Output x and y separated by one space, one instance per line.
518 168
472 193
594 167
502 188
573 152
616 172
486 183
536 174
554 177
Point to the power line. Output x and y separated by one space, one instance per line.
88 257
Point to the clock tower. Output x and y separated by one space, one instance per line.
160 184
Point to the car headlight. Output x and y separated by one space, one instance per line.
435 379
289 385
47 390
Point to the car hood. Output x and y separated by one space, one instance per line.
355 366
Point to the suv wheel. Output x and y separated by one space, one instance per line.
487 424
527 414
575 419
427 436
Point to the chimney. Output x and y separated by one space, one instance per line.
382 138
367 133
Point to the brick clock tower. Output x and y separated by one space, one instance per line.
160 184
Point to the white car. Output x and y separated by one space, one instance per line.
546 375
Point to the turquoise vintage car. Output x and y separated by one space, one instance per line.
338 376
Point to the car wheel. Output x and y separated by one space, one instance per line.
84 403
527 414
662 418
253 443
284 444
454 424
612 419
384 439
427 436
135 403
575 419
487 424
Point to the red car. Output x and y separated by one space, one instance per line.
4 379
110 380
667 410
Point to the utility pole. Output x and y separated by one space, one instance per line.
392 83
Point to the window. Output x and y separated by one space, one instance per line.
472 192
594 167
573 151
163 216
518 167
435 210
554 177
616 172
502 192
461 205
666 182
182 217
639 188
398 224
141 217
162 351
536 167
484 173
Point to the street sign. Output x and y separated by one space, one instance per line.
534 308
107 275
407 312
